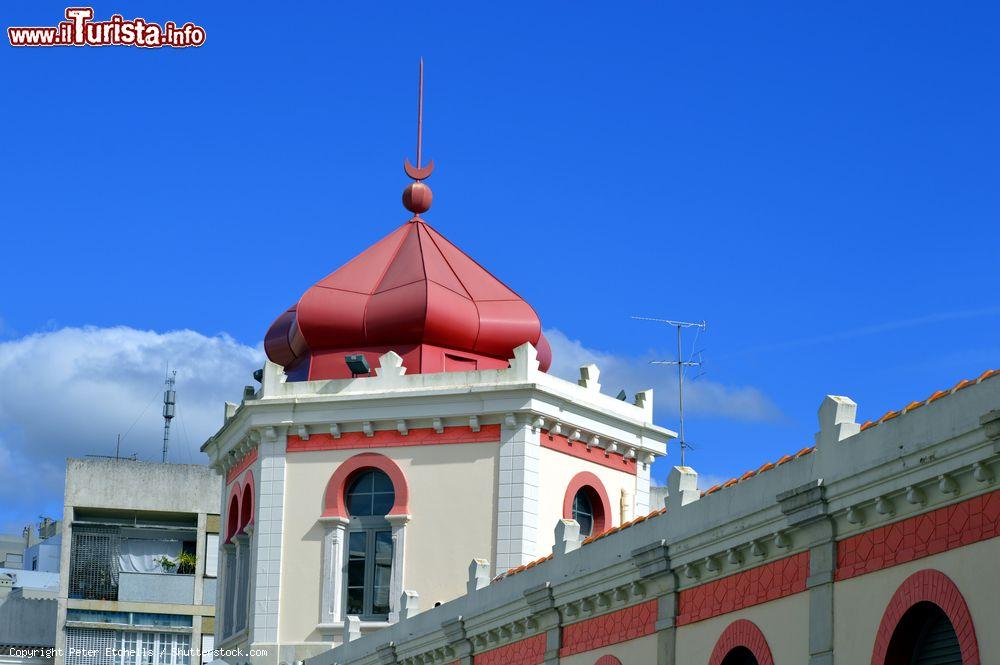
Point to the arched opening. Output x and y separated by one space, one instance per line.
586 501
369 497
583 509
370 493
350 471
246 506
924 636
740 656
232 518
741 643
926 621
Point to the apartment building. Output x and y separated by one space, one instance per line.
138 563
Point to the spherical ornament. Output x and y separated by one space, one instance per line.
417 197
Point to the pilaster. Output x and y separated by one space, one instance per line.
398 525
517 508
805 510
334 532
269 525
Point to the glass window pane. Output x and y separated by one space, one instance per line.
359 505
356 573
381 482
382 503
371 493
383 546
380 603
357 545
355 600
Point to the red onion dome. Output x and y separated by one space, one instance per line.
414 293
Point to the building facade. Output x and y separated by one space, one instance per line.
409 428
138 567
409 486
876 545
28 616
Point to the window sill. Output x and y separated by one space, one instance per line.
337 627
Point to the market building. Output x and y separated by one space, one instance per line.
409 485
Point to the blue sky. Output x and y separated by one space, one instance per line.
816 180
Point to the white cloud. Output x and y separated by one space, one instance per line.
701 398
69 392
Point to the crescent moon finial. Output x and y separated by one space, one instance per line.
417 197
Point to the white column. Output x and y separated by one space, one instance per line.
335 530
398 523
517 510
642 469
269 525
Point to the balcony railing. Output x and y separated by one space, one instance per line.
156 588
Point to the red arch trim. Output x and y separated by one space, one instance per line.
247 503
742 633
933 586
608 660
583 479
233 513
333 502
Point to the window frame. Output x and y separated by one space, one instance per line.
372 527
585 493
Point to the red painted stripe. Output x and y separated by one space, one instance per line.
595 454
529 651
425 436
762 584
920 536
628 623
242 466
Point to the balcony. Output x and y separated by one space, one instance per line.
156 588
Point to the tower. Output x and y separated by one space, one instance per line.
350 496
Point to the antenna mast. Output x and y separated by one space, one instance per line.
681 364
169 402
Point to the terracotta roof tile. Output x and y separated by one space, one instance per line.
767 466
964 383
587 541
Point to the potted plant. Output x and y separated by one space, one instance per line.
166 563
185 563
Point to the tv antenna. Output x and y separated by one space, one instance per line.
680 363
169 403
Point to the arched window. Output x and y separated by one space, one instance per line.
583 510
586 501
233 517
740 656
927 621
368 498
741 643
924 636
246 503
370 493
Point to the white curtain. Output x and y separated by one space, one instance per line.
140 556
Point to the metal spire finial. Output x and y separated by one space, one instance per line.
417 196
417 172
